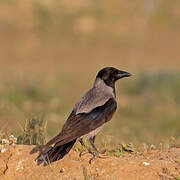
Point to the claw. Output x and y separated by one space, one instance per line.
95 153
93 158
97 156
82 153
103 157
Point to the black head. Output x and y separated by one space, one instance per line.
110 75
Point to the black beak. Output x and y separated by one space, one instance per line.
122 74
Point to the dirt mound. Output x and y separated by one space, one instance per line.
16 163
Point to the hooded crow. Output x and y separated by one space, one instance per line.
87 118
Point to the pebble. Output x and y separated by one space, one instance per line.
62 170
20 165
146 163
3 150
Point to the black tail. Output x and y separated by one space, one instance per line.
54 153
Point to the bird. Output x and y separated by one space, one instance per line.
87 118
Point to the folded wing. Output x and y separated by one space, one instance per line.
80 124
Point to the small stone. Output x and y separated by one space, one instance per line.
62 170
128 147
146 163
20 165
3 150
152 147
12 139
5 141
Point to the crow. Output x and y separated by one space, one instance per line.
87 118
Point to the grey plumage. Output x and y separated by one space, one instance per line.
88 117
97 96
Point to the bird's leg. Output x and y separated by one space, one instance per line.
96 154
82 143
91 140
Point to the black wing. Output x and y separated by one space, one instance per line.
83 123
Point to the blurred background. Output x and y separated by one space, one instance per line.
50 52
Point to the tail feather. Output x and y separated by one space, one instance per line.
54 153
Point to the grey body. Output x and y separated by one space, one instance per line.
97 96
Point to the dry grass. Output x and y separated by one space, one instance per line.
34 131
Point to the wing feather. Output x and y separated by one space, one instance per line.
80 124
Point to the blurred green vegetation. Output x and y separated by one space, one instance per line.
152 107
34 131
148 106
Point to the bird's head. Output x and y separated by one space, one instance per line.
110 75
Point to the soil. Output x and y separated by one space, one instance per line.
16 163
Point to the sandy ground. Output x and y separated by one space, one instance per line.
16 163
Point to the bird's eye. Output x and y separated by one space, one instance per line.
115 73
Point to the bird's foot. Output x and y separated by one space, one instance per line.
102 152
103 156
82 153
96 156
